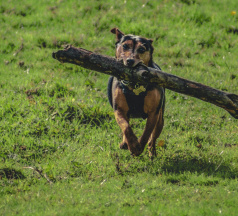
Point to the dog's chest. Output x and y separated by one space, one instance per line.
135 99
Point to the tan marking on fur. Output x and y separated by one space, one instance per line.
145 57
151 101
119 100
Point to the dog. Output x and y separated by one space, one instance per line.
130 100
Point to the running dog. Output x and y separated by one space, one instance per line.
132 100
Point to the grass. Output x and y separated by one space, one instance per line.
59 151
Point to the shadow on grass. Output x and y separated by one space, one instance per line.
200 166
86 115
181 162
10 173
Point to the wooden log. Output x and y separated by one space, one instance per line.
144 75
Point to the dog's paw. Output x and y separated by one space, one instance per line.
124 145
136 149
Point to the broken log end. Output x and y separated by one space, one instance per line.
234 98
233 113
54 55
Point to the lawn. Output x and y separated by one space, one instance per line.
59 141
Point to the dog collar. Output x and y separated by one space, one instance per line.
135 88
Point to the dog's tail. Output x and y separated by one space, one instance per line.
109 89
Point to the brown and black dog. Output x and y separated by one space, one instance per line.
130 100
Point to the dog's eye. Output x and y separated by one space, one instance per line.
125 47
141 50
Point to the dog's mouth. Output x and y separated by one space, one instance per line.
130 62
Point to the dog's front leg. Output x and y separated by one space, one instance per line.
121 109
129 138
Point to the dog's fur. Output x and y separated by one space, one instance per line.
129 100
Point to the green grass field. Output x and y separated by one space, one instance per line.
59 142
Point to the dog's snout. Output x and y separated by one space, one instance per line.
130 62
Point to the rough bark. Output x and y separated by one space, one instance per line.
144 75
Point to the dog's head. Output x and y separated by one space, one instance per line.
133 49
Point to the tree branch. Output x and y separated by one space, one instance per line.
144 75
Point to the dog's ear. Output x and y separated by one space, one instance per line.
151 46
118 33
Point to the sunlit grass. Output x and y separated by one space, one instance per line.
59 143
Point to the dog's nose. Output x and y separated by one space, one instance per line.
130 62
